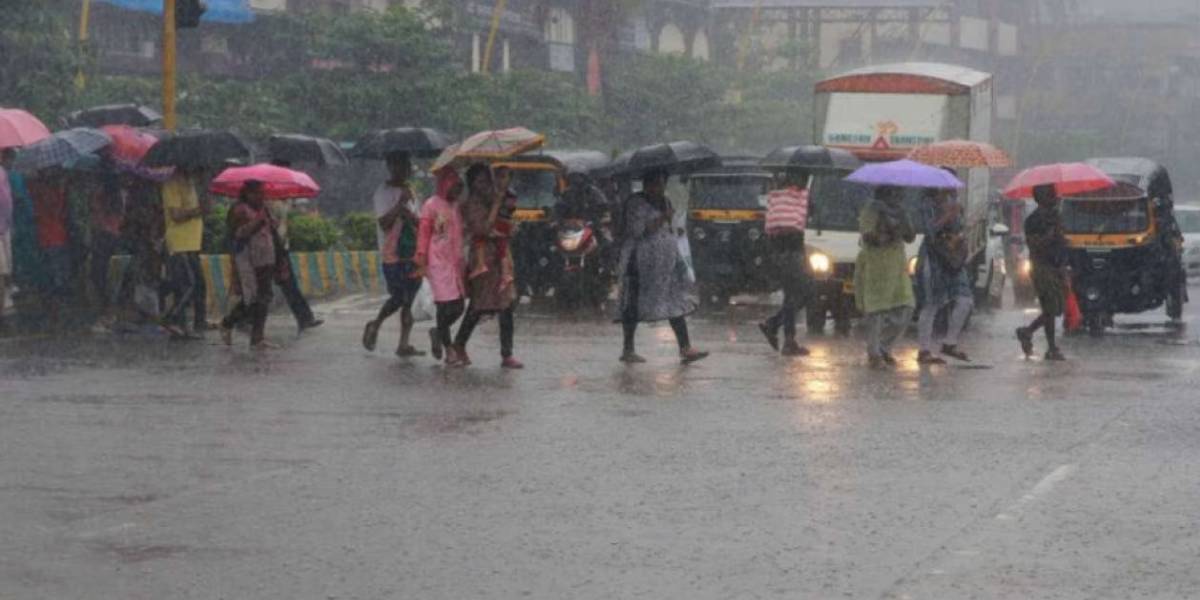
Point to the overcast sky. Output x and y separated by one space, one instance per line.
1141 10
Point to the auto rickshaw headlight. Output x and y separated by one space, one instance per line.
753 234
819 263
912 267
699 233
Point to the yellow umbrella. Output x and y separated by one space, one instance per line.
491 145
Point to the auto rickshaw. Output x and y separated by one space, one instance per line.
539 179
1124 245
726 214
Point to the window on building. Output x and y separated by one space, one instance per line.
559 31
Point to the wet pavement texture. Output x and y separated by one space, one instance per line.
140 468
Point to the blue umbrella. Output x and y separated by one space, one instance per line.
219 11
905 173
62 149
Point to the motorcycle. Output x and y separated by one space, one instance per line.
585 278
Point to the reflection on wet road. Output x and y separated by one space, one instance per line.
146 469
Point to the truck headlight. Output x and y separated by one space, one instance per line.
1026 267
912 267
819 263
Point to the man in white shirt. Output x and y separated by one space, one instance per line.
396 223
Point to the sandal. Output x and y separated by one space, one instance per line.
406 351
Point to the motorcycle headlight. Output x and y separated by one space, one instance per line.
569 243
753 234
819 263
1093 294
699 233
912 267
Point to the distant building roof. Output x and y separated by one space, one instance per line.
956 74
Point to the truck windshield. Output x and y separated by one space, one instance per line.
535 188
1189 220
726 192
834 203
1105 216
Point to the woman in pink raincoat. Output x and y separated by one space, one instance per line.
440 256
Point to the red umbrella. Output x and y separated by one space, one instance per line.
1068 179
129 146
19 128
279 183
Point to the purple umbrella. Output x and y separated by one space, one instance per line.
905 173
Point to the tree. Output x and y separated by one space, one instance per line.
38 58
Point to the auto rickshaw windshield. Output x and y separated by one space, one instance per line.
834 203
1189 220
727 192
535 188
1106 216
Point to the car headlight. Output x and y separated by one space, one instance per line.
1026 267
819 263
753 234
912 267
699 233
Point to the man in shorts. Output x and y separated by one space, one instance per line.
396 209
1048 253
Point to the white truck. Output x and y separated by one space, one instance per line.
882 113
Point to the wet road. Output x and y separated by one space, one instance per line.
141 469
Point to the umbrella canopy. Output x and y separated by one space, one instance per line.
1068 179
279 183
305 149
420 142
134 115
491 145
672 157
129 147
905 173
61 149
19 128
197 149
961 154
813 158
217 11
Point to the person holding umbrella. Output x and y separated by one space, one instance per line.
883 290
942 276
396 219
440 257
653 275
284 277
1048 253
253 245
787 215
6 221
183 217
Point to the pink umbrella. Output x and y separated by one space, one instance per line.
279 183
129 146
1067 178
19 128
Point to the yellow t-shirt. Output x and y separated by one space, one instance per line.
186 236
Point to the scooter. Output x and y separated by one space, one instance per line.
586 278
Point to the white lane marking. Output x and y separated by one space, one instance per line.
1042 488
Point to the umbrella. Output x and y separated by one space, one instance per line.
813 158
196 149
19 128
421 142
672 157
279 183
1067 178
305 149
216 11
491 145
135 115
129 147
905 173
61 149
961 154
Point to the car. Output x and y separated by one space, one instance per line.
1188 216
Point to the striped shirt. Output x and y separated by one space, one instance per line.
787 211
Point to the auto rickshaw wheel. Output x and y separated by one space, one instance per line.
1175 299
814 319
1094 323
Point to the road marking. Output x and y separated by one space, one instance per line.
1042 488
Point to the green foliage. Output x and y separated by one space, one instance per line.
358 231
38 58
312 233
216 231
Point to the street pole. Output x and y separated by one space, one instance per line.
497 13
168 66
85 15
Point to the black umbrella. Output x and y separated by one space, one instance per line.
672 157
134 115
420 142
305 149
814 158
197 149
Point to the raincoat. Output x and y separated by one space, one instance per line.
440 241
27 255
881 279
651 261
